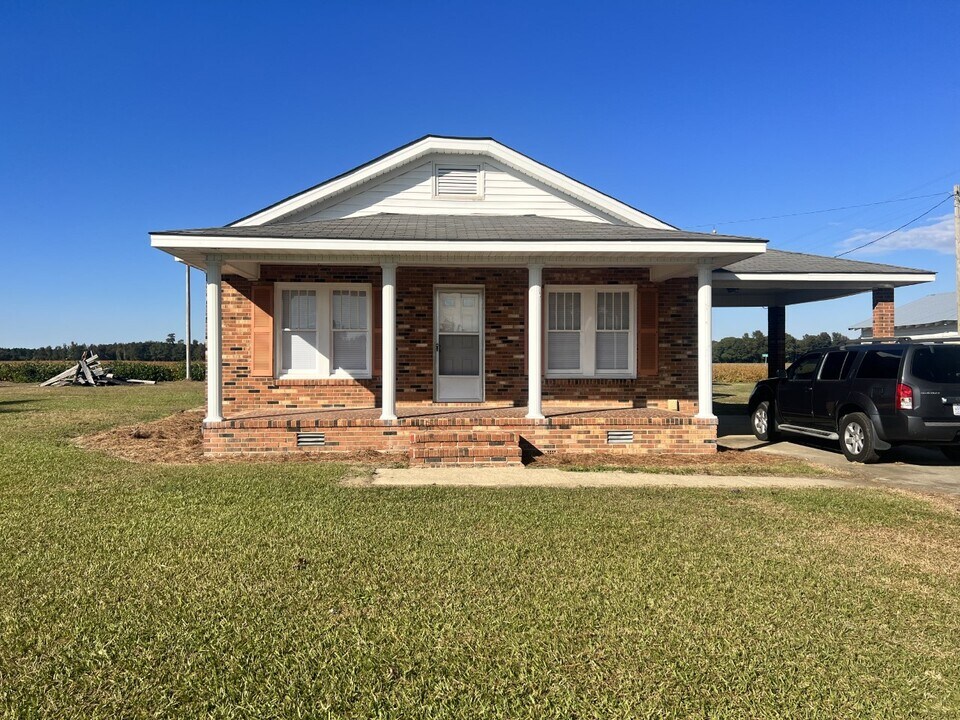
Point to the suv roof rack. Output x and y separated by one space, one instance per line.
900 341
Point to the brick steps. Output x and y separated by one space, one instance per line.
477 447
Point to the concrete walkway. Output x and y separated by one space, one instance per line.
551 477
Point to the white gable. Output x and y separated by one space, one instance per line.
501 191
403 181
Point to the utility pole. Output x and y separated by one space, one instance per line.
956 238
188 338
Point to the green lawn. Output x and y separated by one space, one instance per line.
272 591
731 398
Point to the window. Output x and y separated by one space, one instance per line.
324 330
299 328
563 331
613 331
591 331
805 368
350 330
880 364
836 366
458 181
937 364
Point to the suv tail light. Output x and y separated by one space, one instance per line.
904 399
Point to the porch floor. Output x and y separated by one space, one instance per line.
438 415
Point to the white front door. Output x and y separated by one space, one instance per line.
458 346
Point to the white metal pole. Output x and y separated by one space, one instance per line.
956 238
388 309
214 366
188 336
535 341
705 341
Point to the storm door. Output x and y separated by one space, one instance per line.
458 345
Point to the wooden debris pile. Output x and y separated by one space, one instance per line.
88 371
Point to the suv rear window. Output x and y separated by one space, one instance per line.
835 366
880 364
938 364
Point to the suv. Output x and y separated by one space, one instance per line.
870 396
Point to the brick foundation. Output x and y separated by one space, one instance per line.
494 440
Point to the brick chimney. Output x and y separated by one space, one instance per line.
883 321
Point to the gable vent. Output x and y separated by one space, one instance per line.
462 181
619 437
311 439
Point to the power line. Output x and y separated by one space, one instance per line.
816 212
866 244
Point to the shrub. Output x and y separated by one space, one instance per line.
36 371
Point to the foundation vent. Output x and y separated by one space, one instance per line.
311 439
619 437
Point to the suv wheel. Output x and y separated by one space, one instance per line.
952 452
762 421
858 438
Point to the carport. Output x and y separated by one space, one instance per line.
776 279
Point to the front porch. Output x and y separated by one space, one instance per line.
486 435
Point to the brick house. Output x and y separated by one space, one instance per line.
459 301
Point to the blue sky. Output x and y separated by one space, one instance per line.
120 118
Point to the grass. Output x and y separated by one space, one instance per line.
731 398
270 590
724 463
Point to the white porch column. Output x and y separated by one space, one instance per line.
388 307
705 340
534 341
214 341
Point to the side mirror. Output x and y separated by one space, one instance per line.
781 374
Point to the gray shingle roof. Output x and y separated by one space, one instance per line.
782 261
388 226
936 308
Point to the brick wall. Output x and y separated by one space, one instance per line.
883 319
505 292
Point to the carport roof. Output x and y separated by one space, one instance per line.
783 261
779 277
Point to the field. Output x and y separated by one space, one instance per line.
273 590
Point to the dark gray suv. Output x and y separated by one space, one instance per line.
870 396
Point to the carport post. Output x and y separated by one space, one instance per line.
705 341
776 339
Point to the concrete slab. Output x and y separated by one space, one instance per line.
551 477
906 468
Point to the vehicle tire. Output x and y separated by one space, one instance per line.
952 452
858 438
763 422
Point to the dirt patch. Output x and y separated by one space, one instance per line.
724 462
177 440
173 439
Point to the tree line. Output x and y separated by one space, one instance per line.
750 348
169 349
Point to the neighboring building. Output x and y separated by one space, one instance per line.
930 317
459 301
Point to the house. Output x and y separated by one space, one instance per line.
931 317
460 301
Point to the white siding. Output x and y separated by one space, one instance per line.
505 192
